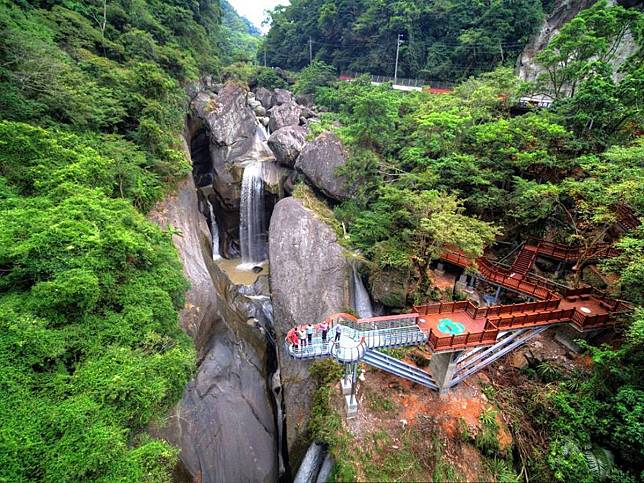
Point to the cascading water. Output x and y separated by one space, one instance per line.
252 230
361 301
214 232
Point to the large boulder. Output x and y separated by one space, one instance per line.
309 281
319 161
282 96
389 287
264 96
284 115
287 143
225 136
234 138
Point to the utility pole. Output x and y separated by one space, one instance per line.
398 43
310 51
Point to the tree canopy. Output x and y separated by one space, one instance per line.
445 40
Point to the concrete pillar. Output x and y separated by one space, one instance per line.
349 389
460 283
346 380
442 367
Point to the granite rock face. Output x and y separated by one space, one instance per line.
563 11
309 281
225 135
225 423
264 96
284 115
287 143
283 96
319 161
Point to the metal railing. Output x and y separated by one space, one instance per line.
400 81
354 342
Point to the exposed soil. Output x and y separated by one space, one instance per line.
394 411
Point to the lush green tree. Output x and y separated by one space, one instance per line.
318 74
447 39
593 35
90 348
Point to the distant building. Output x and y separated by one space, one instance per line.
543 101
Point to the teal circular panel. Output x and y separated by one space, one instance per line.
448 326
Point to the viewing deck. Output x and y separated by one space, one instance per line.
458 325
471 326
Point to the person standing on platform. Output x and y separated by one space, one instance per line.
302 336
324 327
309 333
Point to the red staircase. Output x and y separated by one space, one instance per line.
626 218
525 259
559 251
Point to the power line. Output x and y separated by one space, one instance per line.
438 44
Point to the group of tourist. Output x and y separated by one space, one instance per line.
301 336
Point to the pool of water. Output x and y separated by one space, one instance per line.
448 326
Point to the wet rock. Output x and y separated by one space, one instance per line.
309 279
326 469
319 161
389 287
311 464
225 135
287 143
224 425
284 115
264 96
282 96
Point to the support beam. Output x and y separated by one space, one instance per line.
497 295
442 368
349 388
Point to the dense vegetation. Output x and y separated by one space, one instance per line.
240 38
467 166
92 101
446 39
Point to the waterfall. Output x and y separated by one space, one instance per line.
361 301
214 233
252 230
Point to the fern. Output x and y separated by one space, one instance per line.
600 460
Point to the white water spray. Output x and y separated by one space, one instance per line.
252 230
214 233
361 301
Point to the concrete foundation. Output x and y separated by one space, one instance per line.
351 405
442 368
346 386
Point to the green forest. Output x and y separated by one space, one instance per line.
92 101
442 40
92 105
464 168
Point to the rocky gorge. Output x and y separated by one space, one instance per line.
244 415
